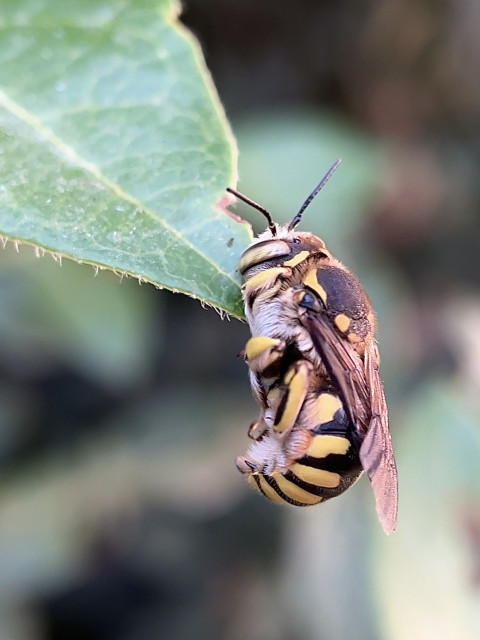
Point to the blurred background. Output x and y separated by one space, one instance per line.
122 408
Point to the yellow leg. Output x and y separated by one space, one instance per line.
297 381
261 352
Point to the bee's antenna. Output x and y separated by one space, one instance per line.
252 203
319 186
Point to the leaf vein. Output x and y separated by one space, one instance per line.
72 156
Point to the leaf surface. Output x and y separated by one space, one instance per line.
114 148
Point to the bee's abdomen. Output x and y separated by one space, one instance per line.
331 474
328 474
306 484
329 466
279 487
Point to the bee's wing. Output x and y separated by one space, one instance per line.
376 452
361 390
345 368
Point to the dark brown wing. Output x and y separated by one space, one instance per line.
345 368
361 390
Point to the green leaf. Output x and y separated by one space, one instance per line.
114 147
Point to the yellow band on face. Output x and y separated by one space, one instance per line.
263 252
311 281
300 257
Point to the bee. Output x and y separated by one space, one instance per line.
314 370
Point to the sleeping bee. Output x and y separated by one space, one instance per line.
313 366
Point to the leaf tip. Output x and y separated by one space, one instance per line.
223 204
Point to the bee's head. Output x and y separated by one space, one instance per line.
279 243
269 250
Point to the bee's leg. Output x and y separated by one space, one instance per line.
262 352
294 390
258 390
245 466
257 429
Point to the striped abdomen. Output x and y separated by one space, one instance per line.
327 467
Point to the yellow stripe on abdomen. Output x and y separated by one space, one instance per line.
317 477
259 483
323 446
327 406
293 492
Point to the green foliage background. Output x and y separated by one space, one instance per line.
122 408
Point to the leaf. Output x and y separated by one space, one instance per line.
115 149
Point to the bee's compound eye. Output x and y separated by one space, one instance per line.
309 300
